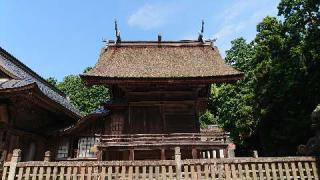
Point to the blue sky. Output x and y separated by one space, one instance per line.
60 37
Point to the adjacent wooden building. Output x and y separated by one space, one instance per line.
30 110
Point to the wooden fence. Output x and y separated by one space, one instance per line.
233 168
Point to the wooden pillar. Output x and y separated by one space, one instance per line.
194 153
163 154
47 156
177 157
255 154
99 154
131 154
16 157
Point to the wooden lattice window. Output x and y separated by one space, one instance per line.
63 149
85 145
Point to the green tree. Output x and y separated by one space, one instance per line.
232 104
270 108
207 118
288 73
85 98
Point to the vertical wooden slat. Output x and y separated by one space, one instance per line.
41 171
301 171
254 171
314 170
27 174
95 174
116 173
74 172
48 173
20 173
294 171
123 172
186 171
193 173
273 171
89 173
198 171
82 173
68 175
109 172
163 172
246 168
306 164
227 170
103 173
144 172
286 167
240 171
170 173
267 168
280 171
157 169
34 173
150 172
61 174
233 171
54 173
221 171
206 171
260 171
5 172
130 173
137 172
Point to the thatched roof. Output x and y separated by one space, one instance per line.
161 60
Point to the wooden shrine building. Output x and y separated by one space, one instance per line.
31 109
158 91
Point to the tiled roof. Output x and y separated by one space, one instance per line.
170 59
25 76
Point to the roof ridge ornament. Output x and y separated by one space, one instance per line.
118 38
159 37
200 37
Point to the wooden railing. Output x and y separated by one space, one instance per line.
174 139
235 168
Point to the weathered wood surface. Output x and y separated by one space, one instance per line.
233 168
153 139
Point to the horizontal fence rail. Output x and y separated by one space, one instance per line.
174 138
233 168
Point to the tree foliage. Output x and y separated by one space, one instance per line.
85 98
270 108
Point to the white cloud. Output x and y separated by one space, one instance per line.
241 19
151 16
243 10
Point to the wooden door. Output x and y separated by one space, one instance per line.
146 120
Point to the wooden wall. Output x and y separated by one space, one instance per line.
160 108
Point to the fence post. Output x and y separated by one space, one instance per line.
177 158
47 156
16 157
